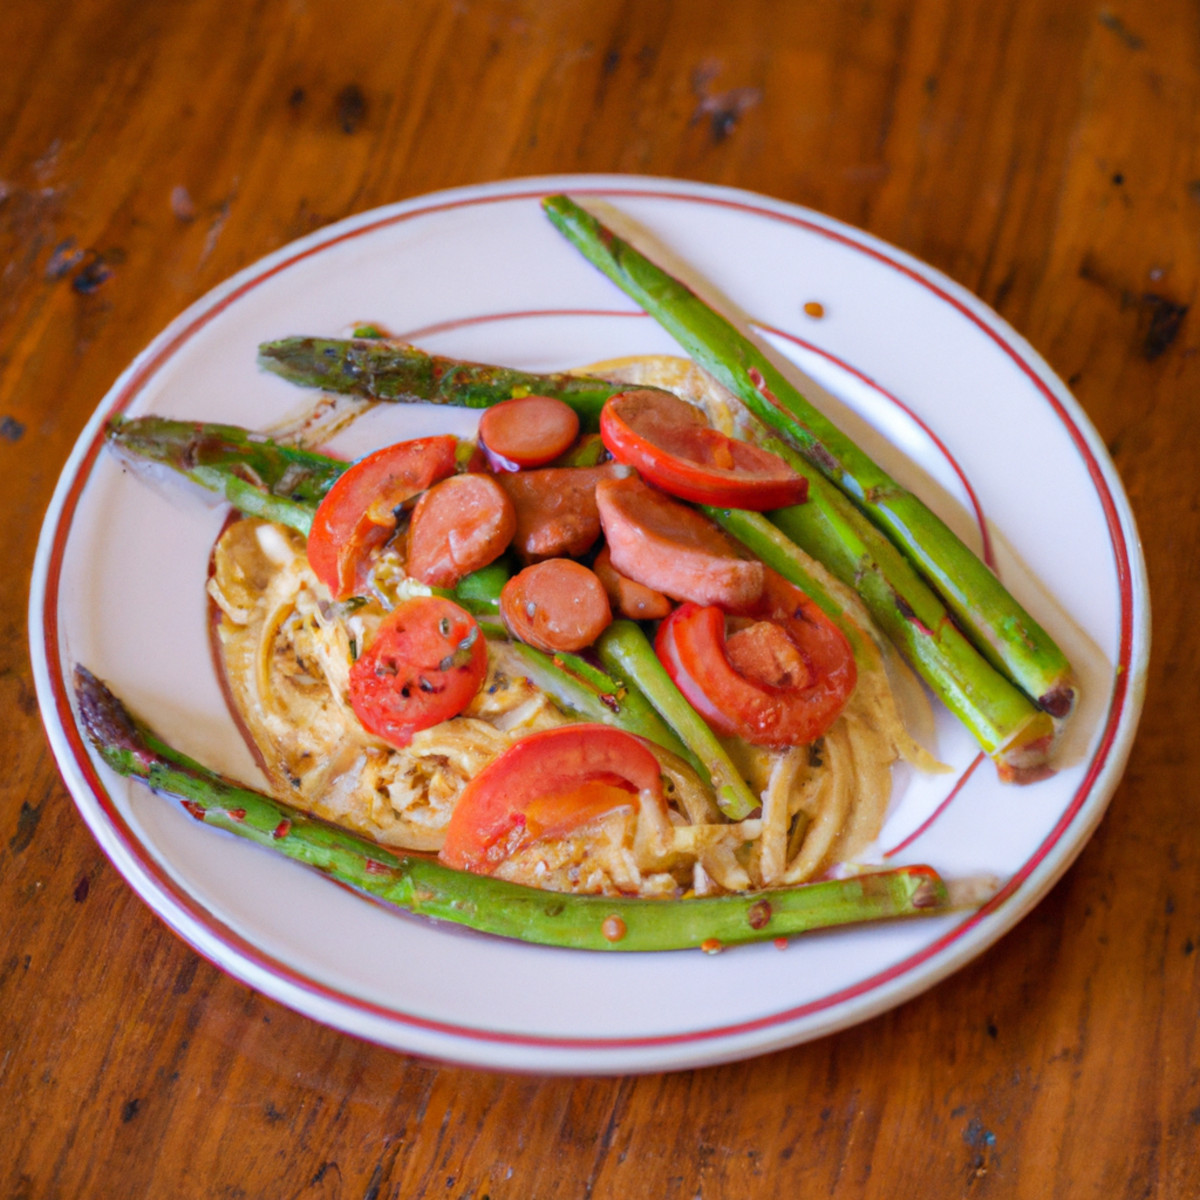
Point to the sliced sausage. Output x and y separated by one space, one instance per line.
627 596
667 546
555 605
556 509
528 431
458 526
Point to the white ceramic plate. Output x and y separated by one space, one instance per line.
938 386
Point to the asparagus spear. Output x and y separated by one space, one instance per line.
1008 636
576 685
256 475
429 889
389 369
627 652
579 688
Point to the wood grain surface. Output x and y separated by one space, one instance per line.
1044 153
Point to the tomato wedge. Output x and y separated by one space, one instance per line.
671 444
358 514
547 785
781 681
423 666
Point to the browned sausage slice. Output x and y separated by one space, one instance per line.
667 546
627 596
458 526
556 509
528 431
555 605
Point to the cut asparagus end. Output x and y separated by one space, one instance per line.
258 476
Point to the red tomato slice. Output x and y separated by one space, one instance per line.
527 431
671 444
358 514
423 666
545 786
784 682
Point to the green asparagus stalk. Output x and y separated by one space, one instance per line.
425 887
581 690
1007 635
625 650
479 592
389 369
256 475
768 544
638 697
576 686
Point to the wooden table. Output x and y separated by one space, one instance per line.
1045 154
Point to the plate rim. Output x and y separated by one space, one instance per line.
462 1044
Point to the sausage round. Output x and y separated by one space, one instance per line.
556 605
458 526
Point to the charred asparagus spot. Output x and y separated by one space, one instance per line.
388 369
1001 629
427 888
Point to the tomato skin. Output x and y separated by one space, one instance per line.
672 446
423 666
357 514
691 644
545 786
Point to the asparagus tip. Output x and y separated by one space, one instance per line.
107 723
